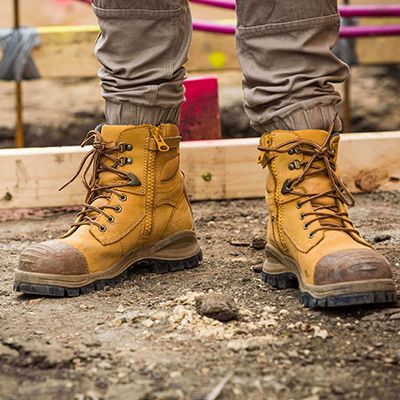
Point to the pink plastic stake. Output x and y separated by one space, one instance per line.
200 117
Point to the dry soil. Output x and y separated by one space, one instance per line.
144 340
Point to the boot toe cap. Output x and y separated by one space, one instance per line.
53 257
350 266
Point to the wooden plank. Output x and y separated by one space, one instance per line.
216 169
69 51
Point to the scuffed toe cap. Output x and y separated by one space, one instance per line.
352 265
53 257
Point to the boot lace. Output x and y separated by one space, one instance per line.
329 215
95 162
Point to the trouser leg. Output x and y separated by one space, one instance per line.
285 51
142 48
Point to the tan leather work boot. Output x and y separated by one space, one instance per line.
136 213
312 243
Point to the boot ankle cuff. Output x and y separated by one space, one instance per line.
130 114
320 116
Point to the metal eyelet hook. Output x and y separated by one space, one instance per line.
121 161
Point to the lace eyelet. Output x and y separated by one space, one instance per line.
125 147
121 161
110 219
118 209
302 216
102 228
291 151
305 226
296 164
298 205
123 197
311 235
128 160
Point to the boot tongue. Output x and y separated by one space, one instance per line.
110 135
318 183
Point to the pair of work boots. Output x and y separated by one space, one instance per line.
137 212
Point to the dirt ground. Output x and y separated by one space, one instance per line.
143 339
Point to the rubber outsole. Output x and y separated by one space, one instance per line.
148 265
289 281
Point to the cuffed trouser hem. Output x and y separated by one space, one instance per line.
142 47
130 114
285 51
320 116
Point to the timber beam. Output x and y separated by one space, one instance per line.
215 170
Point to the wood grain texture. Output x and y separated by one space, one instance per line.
215 169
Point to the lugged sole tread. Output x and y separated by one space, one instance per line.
150 265
290 281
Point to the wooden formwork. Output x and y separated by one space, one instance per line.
215 169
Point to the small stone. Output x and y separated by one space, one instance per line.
104 365
321 333
117 322
258 243
395 317
6 351
148 323
120 309
243 260
250 344
35 301
257 268
218 306
381 238
239 243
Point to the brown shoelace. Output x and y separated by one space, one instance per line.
339 193
95 162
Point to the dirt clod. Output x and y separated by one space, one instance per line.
217 306
258 243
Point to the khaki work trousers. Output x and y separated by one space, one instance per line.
284 48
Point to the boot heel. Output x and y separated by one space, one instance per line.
274 274
287 280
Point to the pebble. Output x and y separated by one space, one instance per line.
258 243
239 243
257 268
120 309
104 365
250 344
243 260
218 306
148 323
321 333
381 238
395 317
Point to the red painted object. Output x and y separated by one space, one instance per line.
200 118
